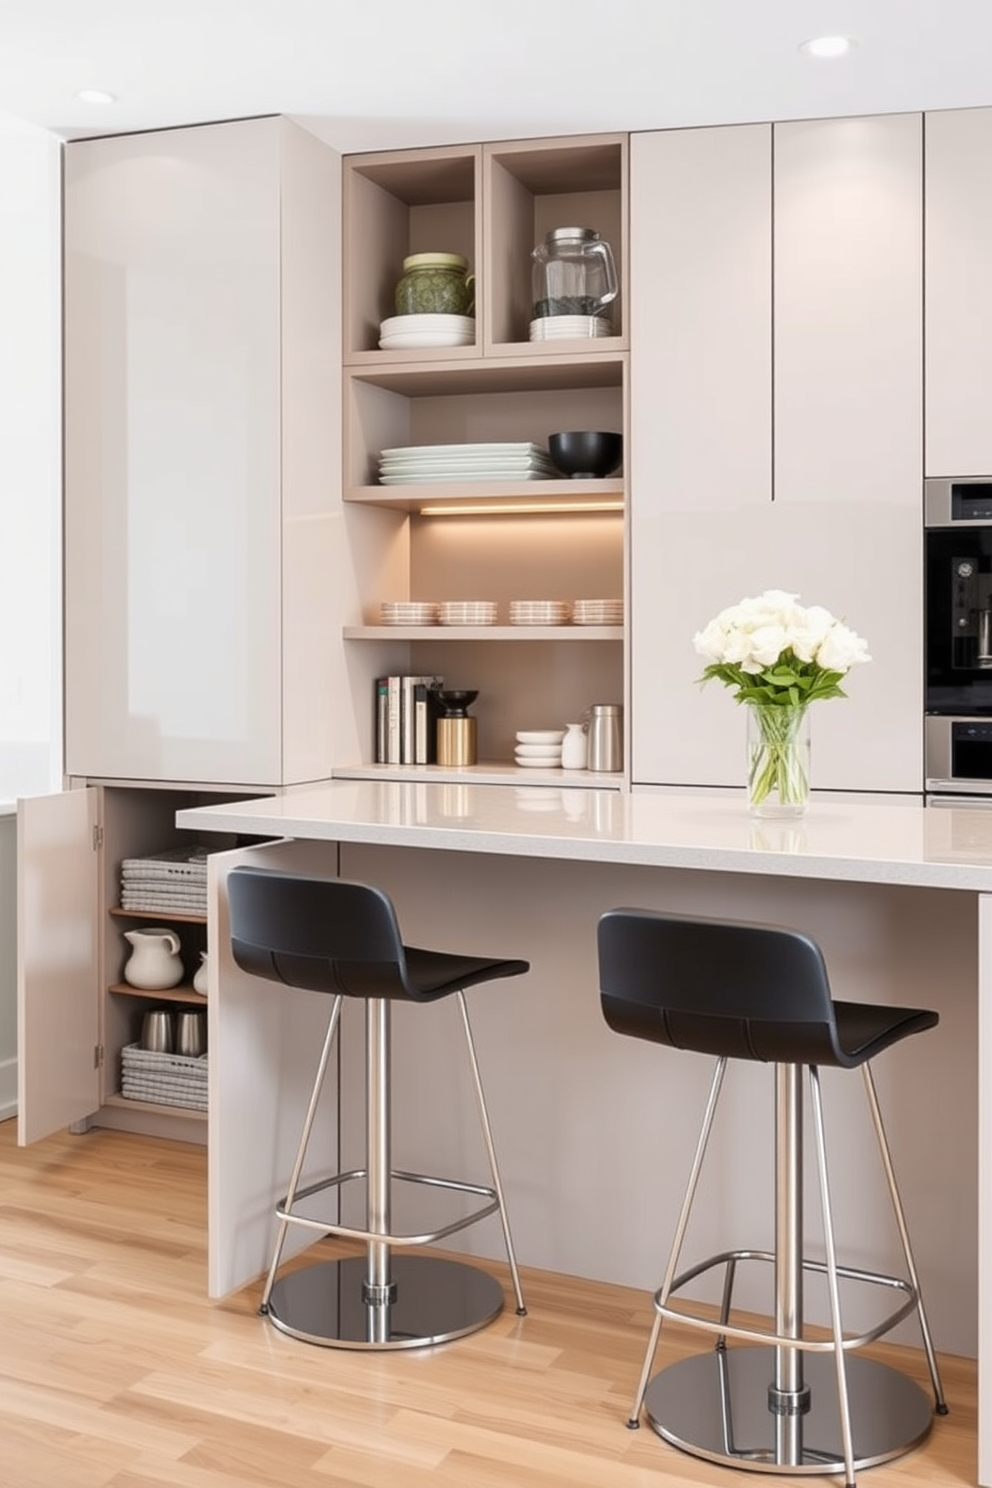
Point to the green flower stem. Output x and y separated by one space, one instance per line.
777 765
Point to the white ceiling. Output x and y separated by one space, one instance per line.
374 74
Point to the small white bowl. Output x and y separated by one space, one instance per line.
538 762
540 736
537 751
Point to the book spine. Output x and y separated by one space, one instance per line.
381 718
420 724
426 709
407 756
393 703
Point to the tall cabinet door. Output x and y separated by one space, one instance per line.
848 424
58 1016
958 148
700 462
180 348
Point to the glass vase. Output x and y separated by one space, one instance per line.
778 750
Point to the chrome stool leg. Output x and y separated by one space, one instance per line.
940 1404
491 1151
843 1399
294 1182
661 1296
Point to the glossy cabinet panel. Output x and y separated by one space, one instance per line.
199 287
958 235
848 291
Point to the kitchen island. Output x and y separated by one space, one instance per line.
594 1132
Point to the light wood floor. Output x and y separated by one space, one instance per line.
117 1372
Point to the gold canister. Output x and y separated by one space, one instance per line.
456 740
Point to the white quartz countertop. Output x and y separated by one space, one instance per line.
899 843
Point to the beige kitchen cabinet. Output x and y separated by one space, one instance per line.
496 540
776 376
958 299
75 1010
203 564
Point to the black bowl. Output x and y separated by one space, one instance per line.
455 700
585 453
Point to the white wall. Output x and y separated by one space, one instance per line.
30 513
30 460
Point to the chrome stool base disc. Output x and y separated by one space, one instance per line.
715 1405
435 1300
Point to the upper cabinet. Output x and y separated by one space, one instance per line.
848 288
701 334
203 561
776 439
958 320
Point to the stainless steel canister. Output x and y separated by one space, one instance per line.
605 737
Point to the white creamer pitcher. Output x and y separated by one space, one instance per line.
154 961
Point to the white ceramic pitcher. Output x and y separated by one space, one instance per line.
154 961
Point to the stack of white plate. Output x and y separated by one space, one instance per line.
408 612
569 327
539 749
408 332
408 464
539 612
468 612
597 611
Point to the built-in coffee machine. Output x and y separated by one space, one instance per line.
958 637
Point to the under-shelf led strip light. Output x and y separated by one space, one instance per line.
517 508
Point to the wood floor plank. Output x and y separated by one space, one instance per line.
116 1371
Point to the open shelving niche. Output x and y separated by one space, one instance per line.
563 539
137 821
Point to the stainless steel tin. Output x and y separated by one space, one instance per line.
605 738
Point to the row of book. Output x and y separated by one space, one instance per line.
406 713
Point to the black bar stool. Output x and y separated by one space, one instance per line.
342 938
793 1403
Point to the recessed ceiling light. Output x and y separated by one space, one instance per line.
96 95
827 46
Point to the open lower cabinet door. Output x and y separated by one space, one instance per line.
58 1076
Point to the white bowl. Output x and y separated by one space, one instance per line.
537 751
540 736
538 762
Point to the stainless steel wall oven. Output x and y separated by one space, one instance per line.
958 636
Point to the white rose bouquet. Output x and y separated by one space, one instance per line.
774 650
779 656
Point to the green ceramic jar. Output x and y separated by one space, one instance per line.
435 284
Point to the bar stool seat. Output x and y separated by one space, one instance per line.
790 1401
342 938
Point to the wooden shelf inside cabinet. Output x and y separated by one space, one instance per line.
183 994
154 1108
569 633
538 352
521 373
158 915
475 498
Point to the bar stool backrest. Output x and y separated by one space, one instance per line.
321 934
717 987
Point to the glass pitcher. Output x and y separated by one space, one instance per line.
573 274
